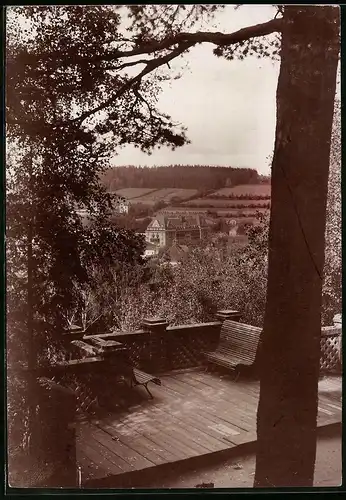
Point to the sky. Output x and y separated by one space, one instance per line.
228 107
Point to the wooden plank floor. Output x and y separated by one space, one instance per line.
193 413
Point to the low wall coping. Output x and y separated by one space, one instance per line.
141 332
194 325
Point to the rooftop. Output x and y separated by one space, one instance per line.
194 414
165 221
176 252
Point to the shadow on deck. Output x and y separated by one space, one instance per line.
194 417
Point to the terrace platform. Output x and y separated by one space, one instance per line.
193 414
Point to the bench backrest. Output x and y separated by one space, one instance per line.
242 340
239 339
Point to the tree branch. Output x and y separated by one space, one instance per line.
182 41
93 321
141 98
128 64
150 66
217 38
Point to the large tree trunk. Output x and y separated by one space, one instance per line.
31 352
289 362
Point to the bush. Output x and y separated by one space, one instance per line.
206 280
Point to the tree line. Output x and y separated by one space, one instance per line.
178 176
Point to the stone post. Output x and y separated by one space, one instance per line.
159 355
224 314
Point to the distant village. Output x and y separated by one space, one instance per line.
175 232
178 207
173 220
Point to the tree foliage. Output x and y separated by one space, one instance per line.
59 72
332 285
55 158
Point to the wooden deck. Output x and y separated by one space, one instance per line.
193 413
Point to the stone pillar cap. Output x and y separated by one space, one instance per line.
155 321
228 314
227 311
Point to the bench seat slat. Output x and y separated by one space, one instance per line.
144 378
236 354
234 360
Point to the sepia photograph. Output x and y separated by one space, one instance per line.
173 247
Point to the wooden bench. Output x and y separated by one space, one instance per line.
142 378
237 347
127 373
112 349
134 376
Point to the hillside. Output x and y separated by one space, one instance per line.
153 196
223 193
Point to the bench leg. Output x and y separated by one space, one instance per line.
210 368
237 375
133 384
146 386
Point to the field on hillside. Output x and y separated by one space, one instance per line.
217 204
219 198
222 203
243 212
227 215
184 209
220 212
130 193
166 195
244 189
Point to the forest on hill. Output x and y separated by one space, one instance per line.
179 176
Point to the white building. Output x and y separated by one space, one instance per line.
151 250
123 206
